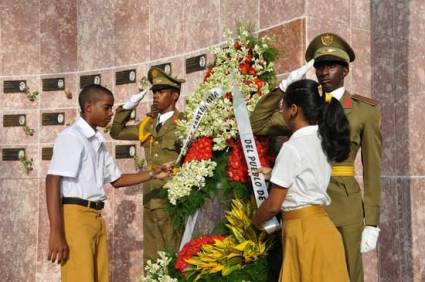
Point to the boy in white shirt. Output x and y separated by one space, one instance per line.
313 248
80 167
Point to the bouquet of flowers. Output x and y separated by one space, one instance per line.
239 256
214 161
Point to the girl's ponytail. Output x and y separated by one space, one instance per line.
325 111
334 130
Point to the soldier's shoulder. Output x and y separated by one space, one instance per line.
364 99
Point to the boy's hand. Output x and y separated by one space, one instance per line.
58 248
266 171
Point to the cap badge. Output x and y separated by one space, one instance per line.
154 72
327 39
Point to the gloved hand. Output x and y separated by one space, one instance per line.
134 100
369 239
296 75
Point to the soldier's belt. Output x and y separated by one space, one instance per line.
342 170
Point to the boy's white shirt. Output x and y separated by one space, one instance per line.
81 158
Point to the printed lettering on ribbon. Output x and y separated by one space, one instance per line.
251 156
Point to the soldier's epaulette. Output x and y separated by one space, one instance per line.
367 100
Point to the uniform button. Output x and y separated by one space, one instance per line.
155 155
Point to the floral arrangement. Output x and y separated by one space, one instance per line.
251 61
214 162
240 256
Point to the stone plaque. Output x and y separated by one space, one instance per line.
125 77
166 67
46 153
197 63
125 151
54 84
13 154
14 120
53 118
86 80
14 86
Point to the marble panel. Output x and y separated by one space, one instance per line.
201 27
402 136
16 134
388 131
164 40
15 101
370 266
290 41
234 12
416 135
20 38
409 19
67 98
48 133
382 17
128 234
361 67
131 31
95 34
418 232
330 10
274 12
15 169
58 35
360 14
19 210
317 25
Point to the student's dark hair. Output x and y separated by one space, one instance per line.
92 93
334 128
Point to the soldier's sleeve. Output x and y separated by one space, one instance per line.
266 118
120 130
371 159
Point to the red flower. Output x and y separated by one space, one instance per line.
237 45
237 169
200 149
244 68
210 71
193 247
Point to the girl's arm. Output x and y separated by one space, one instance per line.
271 206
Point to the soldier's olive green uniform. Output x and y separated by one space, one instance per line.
347 210
160 147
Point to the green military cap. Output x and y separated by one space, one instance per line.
161 80
329 47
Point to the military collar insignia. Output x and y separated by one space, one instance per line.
347 102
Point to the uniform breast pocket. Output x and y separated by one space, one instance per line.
168 144
351 186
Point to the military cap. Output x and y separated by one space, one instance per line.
329 47
161 80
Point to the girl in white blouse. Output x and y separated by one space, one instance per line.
313 248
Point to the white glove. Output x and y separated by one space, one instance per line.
134 100
369 239
296 75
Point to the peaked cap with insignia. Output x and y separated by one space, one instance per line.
329 47
161 80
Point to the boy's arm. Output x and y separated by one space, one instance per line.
120 130
161 172
58 248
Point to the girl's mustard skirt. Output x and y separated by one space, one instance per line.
312 247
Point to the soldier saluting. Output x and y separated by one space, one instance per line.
355 217
156 132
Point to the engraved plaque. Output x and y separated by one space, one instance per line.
197 63
14 120
165 67
54 84
86 80
46 153
125 151
53 118
14 86
13 154
125 77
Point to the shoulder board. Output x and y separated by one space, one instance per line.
367 100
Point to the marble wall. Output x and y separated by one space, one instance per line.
56 38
